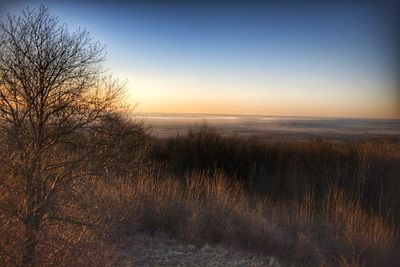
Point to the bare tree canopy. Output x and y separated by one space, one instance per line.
50 78
51 84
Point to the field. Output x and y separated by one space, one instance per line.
275 127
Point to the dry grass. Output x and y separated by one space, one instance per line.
205 209
210 209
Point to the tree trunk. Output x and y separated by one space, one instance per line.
28 258
31 224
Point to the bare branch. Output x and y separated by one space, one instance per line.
52 85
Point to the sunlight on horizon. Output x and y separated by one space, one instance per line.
164 95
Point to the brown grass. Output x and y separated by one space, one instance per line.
206 208
210 209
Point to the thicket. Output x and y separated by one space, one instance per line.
369 170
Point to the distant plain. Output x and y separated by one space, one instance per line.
275 127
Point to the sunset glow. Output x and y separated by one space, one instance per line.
335 61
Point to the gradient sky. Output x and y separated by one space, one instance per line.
302 60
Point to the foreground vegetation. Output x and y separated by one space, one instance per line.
132 184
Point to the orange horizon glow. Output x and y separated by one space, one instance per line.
161 95
207 108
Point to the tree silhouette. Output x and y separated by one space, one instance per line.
51 85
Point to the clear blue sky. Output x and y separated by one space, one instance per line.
304 59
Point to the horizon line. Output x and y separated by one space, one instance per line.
266 115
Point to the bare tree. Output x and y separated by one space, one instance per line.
51 85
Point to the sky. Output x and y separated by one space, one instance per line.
232 58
